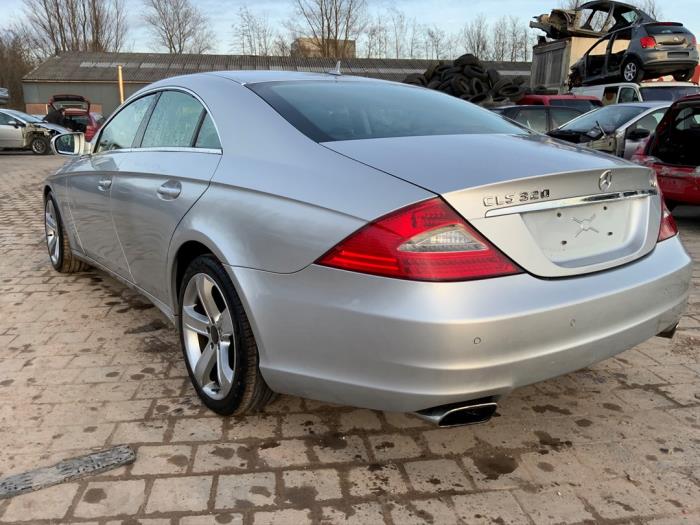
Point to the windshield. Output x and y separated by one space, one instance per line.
669 93
582 104
22 115
328 111
609 118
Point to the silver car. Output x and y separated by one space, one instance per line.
19 130
364 242
619 129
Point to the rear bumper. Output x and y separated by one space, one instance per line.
398 345
664 61
685 190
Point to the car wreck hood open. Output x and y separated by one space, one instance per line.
593 19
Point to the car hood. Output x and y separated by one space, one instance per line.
53 127
448 163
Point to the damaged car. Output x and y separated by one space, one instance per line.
593 19
673 153
619 130
19 130
638 53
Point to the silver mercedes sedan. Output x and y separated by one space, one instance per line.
364 242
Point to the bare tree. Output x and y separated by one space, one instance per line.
178 26
651 7
55 26
436 42
475 37
500 44
253 34
281 45
414 40
398 26
330 24
17 60
376 41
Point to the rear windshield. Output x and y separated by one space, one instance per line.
327 111
584 105
668 93
665 29
609 118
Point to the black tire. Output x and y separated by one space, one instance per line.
478 86
64 261
683 76
40 146
467 60
475 72
632 70
249 392
417 79
494 76
460 84
434 84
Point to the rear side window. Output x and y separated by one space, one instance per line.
330 110
535 119
121 130
173 122
561 116
207 137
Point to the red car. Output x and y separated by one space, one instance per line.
584 103
674 152
77 114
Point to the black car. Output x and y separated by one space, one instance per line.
637 53
539 118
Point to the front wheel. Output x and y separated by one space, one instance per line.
217 341
632 71
683 76
40 145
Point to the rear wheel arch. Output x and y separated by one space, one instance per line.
185 254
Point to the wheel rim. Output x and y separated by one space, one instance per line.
39 146
208 333
52 236
630 71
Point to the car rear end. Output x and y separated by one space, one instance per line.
531 259
673 152
667 47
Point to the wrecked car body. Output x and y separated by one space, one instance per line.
20 130
593 19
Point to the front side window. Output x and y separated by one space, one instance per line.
650 121
628 95
173 122
561 116
330 110
121 131
609 118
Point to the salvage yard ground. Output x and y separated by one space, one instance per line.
86 363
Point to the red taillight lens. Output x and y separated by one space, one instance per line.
427 241
647 42
693 41
668 224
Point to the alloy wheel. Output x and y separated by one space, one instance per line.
630 72
209 336
52 233
39 147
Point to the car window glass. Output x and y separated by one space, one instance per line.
207 137
650 121
173 121
687 119
581 104
535 119
610 118
561 116
610 95
4 119
595 19
628 95
122 129
350 110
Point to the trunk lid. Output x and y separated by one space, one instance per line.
599 213
669 34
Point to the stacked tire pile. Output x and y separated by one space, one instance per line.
468 79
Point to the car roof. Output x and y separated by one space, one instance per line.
668 84
651 104
254 77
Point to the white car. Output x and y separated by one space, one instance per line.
645 92
19 130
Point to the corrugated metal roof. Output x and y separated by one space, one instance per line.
149 67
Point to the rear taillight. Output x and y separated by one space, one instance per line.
668 223
647 42
427 241
693 41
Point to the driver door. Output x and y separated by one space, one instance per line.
596 60
10 136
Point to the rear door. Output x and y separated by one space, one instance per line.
157 183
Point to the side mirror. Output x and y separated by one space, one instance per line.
16 124
70 144
638 134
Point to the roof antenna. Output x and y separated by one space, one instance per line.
336 72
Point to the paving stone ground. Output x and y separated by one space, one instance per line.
86 363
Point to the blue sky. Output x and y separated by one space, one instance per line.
448 14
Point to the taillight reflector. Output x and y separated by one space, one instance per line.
427 241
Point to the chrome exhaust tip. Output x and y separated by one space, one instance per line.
459 414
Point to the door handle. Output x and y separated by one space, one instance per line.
170 190
104 184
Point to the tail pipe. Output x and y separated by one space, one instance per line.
457 414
